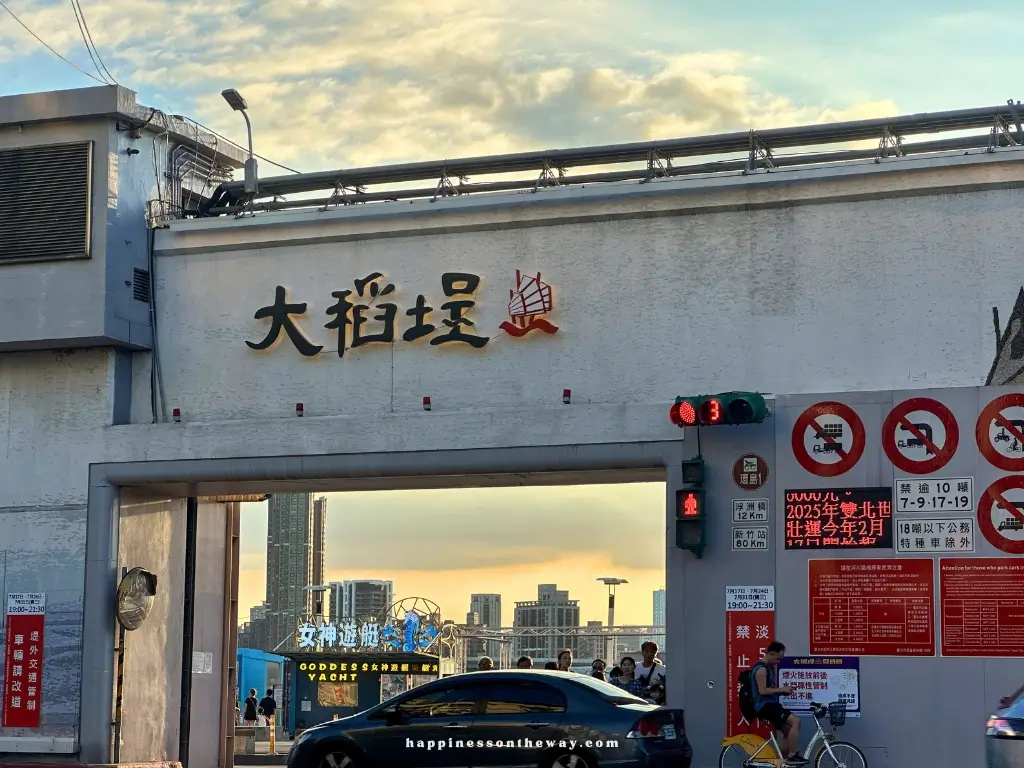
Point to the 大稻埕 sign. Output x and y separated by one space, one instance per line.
368 314
844 518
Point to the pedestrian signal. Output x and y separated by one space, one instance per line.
690 517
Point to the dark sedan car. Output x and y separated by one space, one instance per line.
1004 733
514 718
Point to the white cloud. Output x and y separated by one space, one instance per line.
335 83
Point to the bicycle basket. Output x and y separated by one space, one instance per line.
837 713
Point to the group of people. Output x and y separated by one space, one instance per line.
645 680
255 709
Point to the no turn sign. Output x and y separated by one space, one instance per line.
828 439
1000 432
1001 514
920 435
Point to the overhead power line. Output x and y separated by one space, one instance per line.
87 37
48 46
90 45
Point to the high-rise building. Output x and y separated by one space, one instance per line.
551 610
255 633
289 564
659 621
360 599
319 539
659 608
487 608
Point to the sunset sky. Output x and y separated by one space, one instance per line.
445 544
337 83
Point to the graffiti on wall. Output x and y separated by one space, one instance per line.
1008 364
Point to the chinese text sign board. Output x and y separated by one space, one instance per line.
954 494
918 535
982 604
749 627
349 671
23 662
872 607
821 679
844 518
750 510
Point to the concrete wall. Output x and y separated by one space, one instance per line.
42 549
851 294
53 406
676 293
152 536
207 693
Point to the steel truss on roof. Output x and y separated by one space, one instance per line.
759 151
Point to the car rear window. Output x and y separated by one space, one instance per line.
606 691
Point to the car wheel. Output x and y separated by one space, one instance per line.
336 757
568 760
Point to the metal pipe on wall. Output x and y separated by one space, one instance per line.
188 629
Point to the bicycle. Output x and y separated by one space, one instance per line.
822 751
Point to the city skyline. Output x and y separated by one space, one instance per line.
442 545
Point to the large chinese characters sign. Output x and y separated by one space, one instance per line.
23 662
411 633
368 313
749 627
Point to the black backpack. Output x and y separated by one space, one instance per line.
746 695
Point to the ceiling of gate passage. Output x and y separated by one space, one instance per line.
340 83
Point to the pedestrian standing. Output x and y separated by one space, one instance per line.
251 711
268 705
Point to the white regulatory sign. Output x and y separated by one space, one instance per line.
953 534
937 494
749 537
750 598
26 603
750 510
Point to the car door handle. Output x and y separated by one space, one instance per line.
456 725
534 725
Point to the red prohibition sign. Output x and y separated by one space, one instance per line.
997 492
809 419
897 419
993 412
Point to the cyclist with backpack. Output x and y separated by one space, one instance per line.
759 698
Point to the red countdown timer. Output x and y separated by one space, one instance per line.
710 412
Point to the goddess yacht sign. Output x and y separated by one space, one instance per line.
367 314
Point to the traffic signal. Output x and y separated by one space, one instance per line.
690 517
712 410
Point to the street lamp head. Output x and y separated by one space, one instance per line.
611 580
234 100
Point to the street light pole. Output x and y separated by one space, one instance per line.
239 104
609 650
